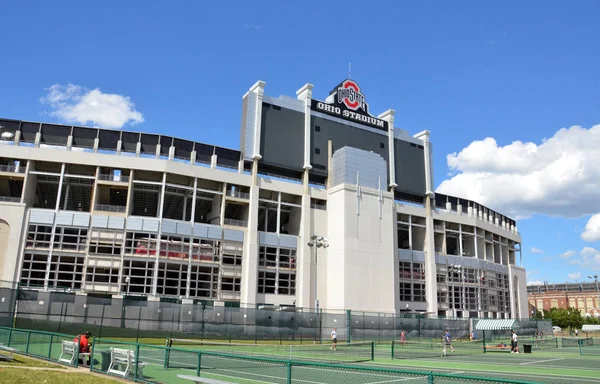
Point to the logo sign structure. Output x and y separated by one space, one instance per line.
346 101
349 94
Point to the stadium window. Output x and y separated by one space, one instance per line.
266 282
381 145
38 237
172 279
231 284
204 280
287 258
140 243
140 273
66 271
405 291
419 292
106 242
102 275
33 271
405 270
317 128
267 257
232 253
70 239
286 284
317 151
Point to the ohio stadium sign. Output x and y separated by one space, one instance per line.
346 101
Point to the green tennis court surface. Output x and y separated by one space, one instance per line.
548 366
244 364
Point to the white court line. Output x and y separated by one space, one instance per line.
456 373
541 361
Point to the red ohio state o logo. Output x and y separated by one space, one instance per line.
351 104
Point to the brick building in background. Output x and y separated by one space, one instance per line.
583 296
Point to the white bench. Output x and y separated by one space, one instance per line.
203 380
122 361
7 349
69 352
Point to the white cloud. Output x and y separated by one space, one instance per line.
592 229
535 250
536 282
590 258
558 176
567 255
77 105
574 276
547 258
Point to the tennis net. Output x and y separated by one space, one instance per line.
413 350
344 352
548 343
584 342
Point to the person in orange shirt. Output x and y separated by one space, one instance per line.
84 344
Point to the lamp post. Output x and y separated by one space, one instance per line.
317 242
595 277
127 280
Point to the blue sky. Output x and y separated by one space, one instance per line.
506 71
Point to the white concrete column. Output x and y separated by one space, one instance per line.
56 209
304 259
389 117
191 248
213 161
305 94
430 266
158 235
259 89
250 256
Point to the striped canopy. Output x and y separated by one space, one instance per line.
591 327
494 324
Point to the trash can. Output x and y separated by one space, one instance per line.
527 348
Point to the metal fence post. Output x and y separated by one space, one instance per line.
137 360
50 347
92 356
430 378
289 372
393 347
9 336
349 319
199 363
27 345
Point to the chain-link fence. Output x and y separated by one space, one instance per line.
155 364
141 318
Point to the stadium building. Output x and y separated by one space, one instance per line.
324 206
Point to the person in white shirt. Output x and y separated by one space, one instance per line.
514 342
333 339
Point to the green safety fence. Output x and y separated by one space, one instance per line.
40 344
157 364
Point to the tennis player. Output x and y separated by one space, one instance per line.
515 346
403 338
447 341
334 339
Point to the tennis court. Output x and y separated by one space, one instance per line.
546 363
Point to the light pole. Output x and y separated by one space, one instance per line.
317 242
595 277
127 280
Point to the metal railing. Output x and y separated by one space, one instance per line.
12 168
43 345
161 364
115 178
238 194
236 223
9 199
111 208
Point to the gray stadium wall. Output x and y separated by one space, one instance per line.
282 137
342 135
410 167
